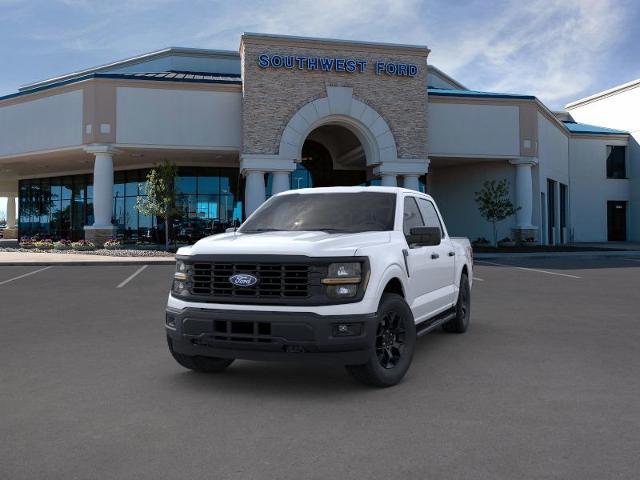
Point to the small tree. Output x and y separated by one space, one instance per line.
160 193
494 203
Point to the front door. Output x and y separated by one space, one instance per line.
617 221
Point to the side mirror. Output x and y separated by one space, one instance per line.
424 236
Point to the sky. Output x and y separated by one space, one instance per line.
558 50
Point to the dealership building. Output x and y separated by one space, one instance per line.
290 112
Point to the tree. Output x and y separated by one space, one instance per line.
494 203
160 199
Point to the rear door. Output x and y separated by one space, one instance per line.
443 261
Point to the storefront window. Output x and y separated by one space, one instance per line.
208 201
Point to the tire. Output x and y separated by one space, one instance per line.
392 347
200 364
460 322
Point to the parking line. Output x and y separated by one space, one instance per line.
25 275
528 269
132 276
633 259
476 279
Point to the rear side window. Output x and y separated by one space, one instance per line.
429 214
411 216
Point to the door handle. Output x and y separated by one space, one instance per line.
452 254
434 256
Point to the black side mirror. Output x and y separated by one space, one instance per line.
424 236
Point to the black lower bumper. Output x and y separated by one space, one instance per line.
253 335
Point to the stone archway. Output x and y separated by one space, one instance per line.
340 108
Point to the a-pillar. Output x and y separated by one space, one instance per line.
102 228
524 228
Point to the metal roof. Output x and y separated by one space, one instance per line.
186 77
575 127
444 92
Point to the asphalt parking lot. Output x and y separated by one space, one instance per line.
545 384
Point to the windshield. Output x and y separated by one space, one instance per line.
329 212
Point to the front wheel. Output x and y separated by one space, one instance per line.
460 322
393 345
199 364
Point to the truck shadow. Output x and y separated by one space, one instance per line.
301 380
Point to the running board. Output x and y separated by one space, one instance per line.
428 325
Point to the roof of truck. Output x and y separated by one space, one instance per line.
306 191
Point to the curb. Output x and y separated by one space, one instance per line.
594 254
88 263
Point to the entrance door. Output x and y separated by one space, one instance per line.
551 211
617 221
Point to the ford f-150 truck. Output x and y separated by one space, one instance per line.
347 275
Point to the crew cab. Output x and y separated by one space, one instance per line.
342 275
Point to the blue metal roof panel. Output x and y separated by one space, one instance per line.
444 92
575 127
223 78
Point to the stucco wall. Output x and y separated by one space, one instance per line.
454 189
464 129
621 111
45 123
165 117
590 189
271 96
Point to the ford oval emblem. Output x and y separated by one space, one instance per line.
243 280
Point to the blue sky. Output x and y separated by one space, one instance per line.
557 50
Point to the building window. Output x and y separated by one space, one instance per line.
208 201
616 161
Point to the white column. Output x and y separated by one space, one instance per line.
524 192
11 211
411 182
389 180
254 193
103 190
280 182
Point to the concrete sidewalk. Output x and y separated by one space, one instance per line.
32 258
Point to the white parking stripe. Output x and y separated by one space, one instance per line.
25 275
476 279
528 269
633 259
132 276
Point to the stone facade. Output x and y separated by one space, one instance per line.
272 96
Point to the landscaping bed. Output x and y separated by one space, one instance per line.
121 252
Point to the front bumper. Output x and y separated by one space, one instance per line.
271 335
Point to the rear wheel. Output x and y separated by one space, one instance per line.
393 344
460 322
200 364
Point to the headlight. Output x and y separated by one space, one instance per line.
343 279
181 278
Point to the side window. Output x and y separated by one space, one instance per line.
429 214
411 216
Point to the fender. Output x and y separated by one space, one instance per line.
395 270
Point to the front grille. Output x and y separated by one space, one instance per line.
275 281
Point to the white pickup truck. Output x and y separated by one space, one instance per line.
348 275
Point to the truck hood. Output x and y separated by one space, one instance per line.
312 244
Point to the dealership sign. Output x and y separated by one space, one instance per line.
332 64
